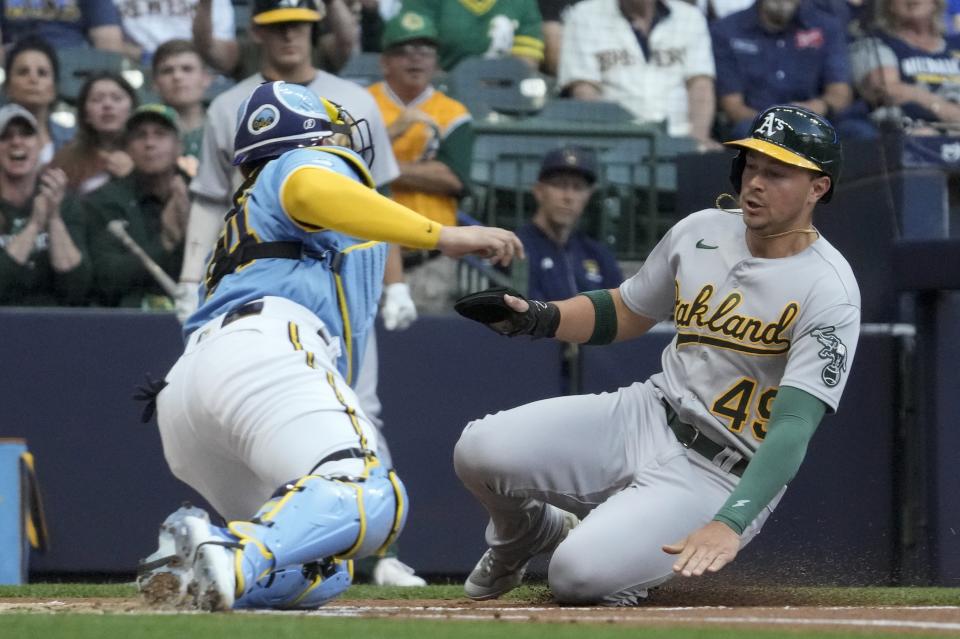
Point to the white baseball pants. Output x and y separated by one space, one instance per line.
258 403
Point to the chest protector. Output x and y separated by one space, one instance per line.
356 270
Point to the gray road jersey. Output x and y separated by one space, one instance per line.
217 178
745 325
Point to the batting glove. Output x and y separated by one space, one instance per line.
398 310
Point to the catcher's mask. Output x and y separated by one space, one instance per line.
279 116
795 136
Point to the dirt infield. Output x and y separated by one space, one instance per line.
895 620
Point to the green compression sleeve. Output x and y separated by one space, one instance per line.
605 323
793 420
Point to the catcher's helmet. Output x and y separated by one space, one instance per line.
278 117
793 135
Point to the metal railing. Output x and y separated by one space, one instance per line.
636 165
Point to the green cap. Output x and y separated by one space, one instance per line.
157 112
409 25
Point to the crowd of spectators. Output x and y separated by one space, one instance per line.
701 70
907 67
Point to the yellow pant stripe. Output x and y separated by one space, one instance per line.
293 332
398 513
350 410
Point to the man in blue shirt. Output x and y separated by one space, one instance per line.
779 52
563 260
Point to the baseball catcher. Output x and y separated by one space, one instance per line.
258 414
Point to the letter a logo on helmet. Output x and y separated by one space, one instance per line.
792 135
767 127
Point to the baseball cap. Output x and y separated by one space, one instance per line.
409 25
273 11
570 159
158 113
11 112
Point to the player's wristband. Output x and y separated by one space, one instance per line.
605 321
543 319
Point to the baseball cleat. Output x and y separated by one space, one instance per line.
390 571
214 581
630 597
162 577
492 576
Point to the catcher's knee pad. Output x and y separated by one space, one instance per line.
385 507
317 518
299 587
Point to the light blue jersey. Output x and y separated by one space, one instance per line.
338 277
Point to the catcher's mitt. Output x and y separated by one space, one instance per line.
489 308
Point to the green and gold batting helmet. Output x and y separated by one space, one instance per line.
793 135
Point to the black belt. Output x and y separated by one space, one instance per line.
248 309
346 453
416 258
689 436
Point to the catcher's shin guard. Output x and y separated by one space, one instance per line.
316 518
299 587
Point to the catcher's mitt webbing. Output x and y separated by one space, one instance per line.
489 308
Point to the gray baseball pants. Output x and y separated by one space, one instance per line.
612 460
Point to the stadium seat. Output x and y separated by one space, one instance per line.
574 110
241 15
79 63
363 68
497 85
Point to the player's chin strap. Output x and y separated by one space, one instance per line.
812 231
735 211
726 196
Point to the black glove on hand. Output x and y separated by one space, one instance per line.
488 307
